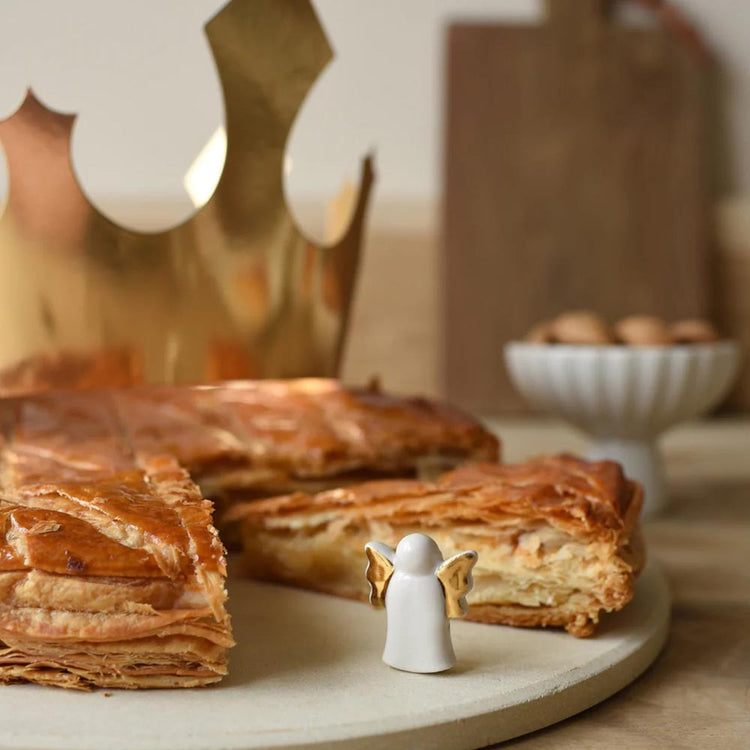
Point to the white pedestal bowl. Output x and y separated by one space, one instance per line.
625 397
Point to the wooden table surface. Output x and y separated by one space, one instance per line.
697 693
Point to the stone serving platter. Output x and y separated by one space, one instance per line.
307 673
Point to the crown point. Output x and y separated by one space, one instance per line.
34 112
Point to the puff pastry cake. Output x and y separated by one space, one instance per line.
248 439
255 439
558 538
272 436
111 573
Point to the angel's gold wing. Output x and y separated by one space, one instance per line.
379 571
455 576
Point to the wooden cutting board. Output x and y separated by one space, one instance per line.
575 177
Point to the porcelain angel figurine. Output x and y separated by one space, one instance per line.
420 592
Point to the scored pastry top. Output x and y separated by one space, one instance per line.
95 483
254 433
568 491
78 501
300 428
592 498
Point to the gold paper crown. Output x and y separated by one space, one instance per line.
235 291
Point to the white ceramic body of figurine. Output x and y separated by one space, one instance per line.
420 592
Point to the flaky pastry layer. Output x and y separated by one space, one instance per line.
557 537
111 572
247 439
260 434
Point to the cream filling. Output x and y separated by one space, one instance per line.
541 567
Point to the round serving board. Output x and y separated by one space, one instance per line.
307 671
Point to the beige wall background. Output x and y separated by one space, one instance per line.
141 77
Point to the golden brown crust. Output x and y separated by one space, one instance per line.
575 495
296 429
111 572
110 367
557 537
592 497
251 439
578 624
258 434
102 552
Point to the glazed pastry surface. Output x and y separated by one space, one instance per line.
111 572
558 538
265 433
